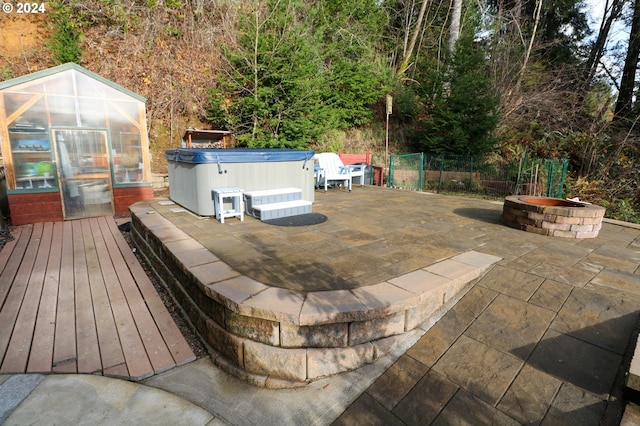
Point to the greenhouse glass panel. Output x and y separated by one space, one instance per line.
89 87
30 146
126 143
61 84
30 116
16 103
62 111
92 113
84 172
29 88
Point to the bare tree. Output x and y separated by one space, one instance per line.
527 54
612 12
404 65
513 98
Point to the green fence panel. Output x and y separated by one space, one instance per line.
405 171
543 177
556 173
469 174
475 175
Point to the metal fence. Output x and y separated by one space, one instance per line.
474 175
405 171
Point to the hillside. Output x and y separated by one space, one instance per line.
21 36
316 74
170 57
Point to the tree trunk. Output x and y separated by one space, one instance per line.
454 28
628 81
416 31
527 53
611 14
512 98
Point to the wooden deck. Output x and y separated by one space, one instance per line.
74 299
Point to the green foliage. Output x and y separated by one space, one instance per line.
352 87
274 88
599 100
298 72
406 104
563 29
6 72
350 32
615 184
622 209
331 141
561 33
617 197
64 43
217 111
172 30
462 106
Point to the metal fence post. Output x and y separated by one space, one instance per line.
565 163
421 171
550 176
440 175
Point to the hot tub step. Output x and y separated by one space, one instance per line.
283 209
270 196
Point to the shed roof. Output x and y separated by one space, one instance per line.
66 67
197 134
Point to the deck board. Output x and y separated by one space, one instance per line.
178 346
6 254
77 300
19 346
86 334
154 344
41 353
64 348
110 348
9 271
132 345
11 308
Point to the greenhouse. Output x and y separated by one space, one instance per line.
74 145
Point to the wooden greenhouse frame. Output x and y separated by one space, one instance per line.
74 145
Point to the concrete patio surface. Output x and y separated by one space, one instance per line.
545 337
287 305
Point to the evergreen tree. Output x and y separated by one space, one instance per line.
462 107
298 71
271 96
64 43
351 36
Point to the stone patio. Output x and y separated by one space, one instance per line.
287 305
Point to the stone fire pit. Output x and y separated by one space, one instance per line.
553 216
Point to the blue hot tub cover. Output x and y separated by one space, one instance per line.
236 155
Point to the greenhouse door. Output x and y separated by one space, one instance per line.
84 172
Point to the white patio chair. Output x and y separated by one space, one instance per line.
332 170
357 171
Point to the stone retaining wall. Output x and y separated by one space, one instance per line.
276 337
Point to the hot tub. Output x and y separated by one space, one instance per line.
195 172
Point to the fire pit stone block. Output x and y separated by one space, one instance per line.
553 216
